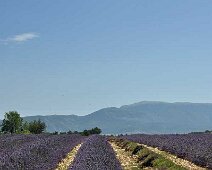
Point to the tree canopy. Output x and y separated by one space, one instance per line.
86 132
12 122
37 126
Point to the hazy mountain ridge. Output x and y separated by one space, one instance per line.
143 117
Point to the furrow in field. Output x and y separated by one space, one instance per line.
68 160
135 156
181 162
128 162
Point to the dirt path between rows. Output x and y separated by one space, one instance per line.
178 161
128 162
66 162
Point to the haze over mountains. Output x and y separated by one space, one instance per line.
142 117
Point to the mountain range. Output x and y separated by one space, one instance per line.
143 117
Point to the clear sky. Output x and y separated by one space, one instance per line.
76 56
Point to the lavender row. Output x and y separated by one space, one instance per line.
44 152
96 153
196 148
8 143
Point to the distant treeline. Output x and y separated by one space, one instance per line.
14 124
207 131
85 132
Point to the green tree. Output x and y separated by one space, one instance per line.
37 126
25 128
12 122
85 133
92 131
95 130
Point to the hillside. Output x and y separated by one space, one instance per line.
143 117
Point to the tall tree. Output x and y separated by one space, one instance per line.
37 126
12 122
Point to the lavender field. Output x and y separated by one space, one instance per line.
46 151
35 151
96 154
196 148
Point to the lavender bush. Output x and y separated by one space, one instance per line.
20 152
96 153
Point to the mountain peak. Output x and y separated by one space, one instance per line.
143 103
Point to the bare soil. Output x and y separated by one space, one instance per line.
68 160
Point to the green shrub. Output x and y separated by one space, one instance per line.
37 126
163 163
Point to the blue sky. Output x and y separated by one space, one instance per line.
75 57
